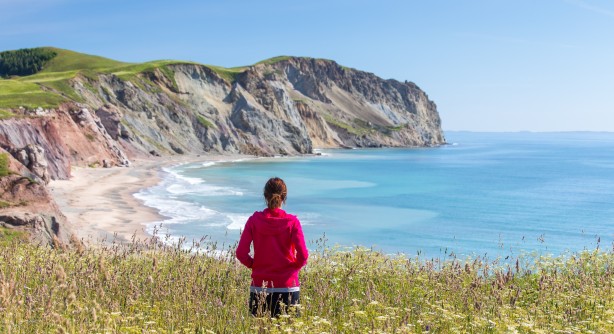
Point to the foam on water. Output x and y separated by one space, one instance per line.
237 221
177 176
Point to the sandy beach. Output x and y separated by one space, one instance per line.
100 204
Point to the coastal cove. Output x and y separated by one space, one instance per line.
493 194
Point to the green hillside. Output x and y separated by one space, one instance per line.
67 60
50 86
50 70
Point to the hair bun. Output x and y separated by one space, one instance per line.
275 192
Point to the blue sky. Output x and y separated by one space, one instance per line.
490 65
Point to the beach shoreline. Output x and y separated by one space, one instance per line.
100 205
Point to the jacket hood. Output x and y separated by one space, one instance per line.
275 221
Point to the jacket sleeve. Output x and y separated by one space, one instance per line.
299 243
242 251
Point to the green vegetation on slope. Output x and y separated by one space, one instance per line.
24 61
63 87
48 85
273 60
10 237
4 164
228 74
356 129
5 114
150 288
51 86
204 122
67 60
15 93
130 71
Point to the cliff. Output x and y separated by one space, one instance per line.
73 109
107 113
27 206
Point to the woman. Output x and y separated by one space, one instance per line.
279 253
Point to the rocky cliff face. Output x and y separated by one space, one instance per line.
282 107
336 106
26 205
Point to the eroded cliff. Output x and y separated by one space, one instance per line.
283 106
102 113
27 206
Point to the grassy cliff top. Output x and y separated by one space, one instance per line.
49 84
50 87
67 60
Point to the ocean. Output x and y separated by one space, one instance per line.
484 194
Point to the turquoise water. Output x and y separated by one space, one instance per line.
493 194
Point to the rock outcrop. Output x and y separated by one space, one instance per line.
33 157
26 205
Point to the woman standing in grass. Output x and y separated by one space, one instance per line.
279 253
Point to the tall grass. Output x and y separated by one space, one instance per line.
150 288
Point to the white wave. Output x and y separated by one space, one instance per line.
237 221
320 153
200 165
308 218
202 190
242 159
176 175
177 184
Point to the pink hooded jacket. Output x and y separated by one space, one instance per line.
279 248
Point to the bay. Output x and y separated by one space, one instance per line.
493 194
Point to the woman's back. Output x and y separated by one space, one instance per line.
279 253
279 248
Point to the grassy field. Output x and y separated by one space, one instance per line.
51 86
146 288
16 93
67 60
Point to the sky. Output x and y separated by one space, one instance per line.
489 65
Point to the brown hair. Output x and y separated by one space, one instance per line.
275 192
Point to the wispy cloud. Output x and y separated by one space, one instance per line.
588 6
